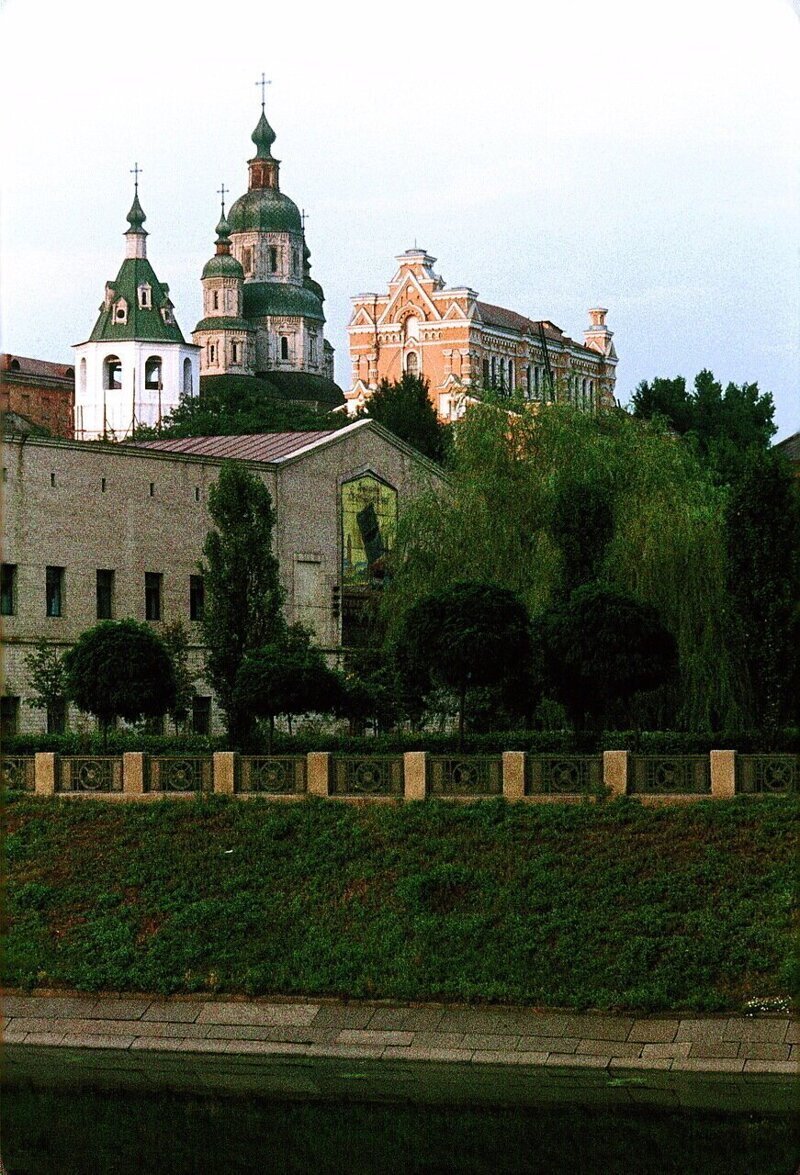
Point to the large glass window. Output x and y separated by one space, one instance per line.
369 522
152 595
54 591
8 589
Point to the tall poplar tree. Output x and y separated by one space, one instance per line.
243 595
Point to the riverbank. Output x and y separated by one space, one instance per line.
379 1031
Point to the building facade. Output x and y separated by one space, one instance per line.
106 531
461 345
262 310
40 392
135 364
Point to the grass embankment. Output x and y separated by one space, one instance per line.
613 905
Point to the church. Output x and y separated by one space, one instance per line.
263 319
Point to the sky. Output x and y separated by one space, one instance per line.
552 156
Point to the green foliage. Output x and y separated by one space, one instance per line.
238 405
406 409
581 526
120 669
724 424
289 676
176 642
496 520
47 677
616 905
243 594
466 635
598 646
763 535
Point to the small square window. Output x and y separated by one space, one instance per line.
54 591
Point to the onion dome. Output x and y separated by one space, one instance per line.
263 137
264 208
223 264
136 216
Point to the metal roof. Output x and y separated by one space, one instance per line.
264 446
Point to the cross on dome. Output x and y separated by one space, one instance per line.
263 83
136 171
221 192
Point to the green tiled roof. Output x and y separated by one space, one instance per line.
264 210
223 323
146 325
276 298
223 265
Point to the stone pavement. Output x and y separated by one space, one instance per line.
428 1032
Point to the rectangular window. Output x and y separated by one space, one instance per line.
197 598
273 258
54 591
152 595
57 717
201 715
105 595
9 715
247 260
8 589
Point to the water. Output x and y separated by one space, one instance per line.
207 1116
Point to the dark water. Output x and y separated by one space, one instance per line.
79 1130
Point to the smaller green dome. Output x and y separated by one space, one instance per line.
223 265
263 137
223 229
136 216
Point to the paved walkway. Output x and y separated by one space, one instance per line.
430 1032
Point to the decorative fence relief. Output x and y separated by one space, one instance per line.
514 775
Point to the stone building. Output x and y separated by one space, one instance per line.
461 345
95 531
136 362
38 392
262 310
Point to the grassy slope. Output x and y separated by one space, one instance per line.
610 906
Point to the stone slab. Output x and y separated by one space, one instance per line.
173 1011
701 1029
653 1031
344 1050
762 1031
54 1038
265 1048
373 1039
119 1009
764 1052
410 1053
640 1063
600 1048
54 1007
793 1032
438 1040
487 1041
792 1068
406 1019
333 1016
654 1052
297 1015
598 1027
94 1041
708 1065
714 1048
548 1044
571 1061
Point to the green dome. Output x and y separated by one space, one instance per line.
264 210
263 137
262 299
223 265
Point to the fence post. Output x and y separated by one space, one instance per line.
45 773
513 775
224 772
318 775
132 773
615 772
723 774
415 771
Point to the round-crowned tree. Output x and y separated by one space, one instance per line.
467 635
600 647
120 669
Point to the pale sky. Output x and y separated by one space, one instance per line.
554 156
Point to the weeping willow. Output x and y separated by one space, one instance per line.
492 522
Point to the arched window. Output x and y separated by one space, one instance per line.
112 373
511 375
82 376
494 372
14 365
412 363
187 376
528 381
212 353
121 312
411 328
284 347
145 297
215 300
152 373
70 373
234 352
273 259
536 382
